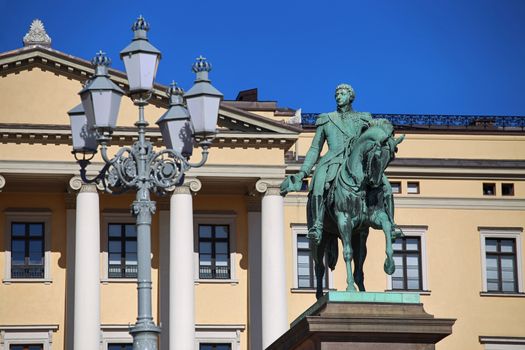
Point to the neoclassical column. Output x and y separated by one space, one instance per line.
87 268
182 269
273 266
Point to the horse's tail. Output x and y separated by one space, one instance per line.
332 251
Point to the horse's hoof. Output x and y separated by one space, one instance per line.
389 266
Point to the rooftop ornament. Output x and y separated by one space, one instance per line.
37 35
139 167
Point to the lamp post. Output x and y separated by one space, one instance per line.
140 167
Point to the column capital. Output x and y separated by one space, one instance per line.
77 185
2 182
270 187
191 184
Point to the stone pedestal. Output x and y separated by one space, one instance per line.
365 321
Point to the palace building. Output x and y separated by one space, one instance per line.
459 184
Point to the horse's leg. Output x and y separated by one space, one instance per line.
384 222
359 247
318 255
344 225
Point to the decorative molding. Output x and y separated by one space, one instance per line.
191 184
2 182
92 188
270 187
37 35
76 184
460 203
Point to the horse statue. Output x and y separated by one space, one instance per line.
360 197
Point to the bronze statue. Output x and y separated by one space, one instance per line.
349 192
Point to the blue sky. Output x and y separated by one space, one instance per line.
401 56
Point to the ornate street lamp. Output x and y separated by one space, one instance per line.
139 167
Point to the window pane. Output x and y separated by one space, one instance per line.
114 230
509 287
412 260
492 286
36 230
507 262
304 282
413 283
412 243
115 246
205 259
507 246
397 283
221 248
302 242
204 231
131 247
18 246
491 245
18 229
205 247
398 244
221 231
223 347
131 258
221 260
131 231
412 272
35 347
114 258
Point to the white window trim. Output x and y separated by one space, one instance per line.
302 229
28 215
415 231
514 233
502 343
119 217
115 333
219 333
40 334
216 219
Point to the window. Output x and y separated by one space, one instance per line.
407 257
413 187
501 268
215 247
116 337
396 186
410 260
489 189
218 336
507 189
122 251
120 346
500 260
27 250
118 242
214 251
217 346
304 267
37 337
28 241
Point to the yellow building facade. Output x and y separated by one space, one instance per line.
460 199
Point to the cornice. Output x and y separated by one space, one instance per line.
61 134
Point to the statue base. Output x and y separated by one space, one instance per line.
365 321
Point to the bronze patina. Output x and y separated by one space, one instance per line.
349 192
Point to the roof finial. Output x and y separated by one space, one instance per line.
37 35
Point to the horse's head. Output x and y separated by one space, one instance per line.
381 151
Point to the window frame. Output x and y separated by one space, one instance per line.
228 219
122 239
118 333
498 233
421 232
219 334
27 335
302 229
112 217
28 216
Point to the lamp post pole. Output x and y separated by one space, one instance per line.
191 117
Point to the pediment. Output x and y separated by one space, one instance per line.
231 119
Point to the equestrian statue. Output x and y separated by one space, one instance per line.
349 191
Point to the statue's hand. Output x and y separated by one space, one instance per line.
292 183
